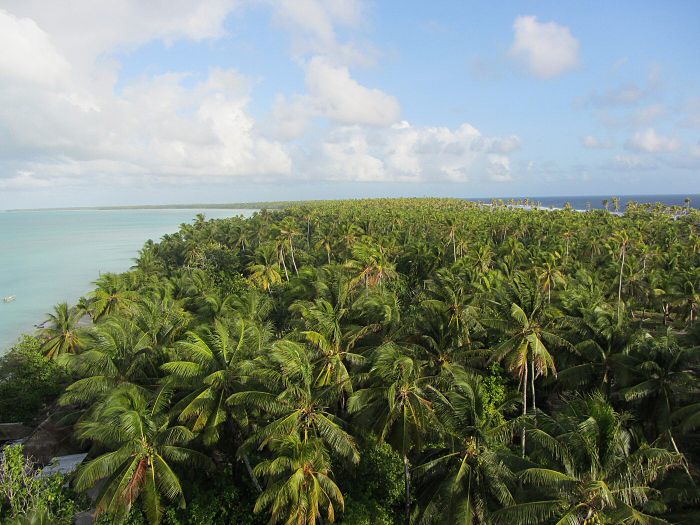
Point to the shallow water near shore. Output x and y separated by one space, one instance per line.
51 256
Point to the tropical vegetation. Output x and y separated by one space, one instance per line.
425 361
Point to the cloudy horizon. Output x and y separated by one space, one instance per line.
126 102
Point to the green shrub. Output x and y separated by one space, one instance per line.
24 495
28 381
374 489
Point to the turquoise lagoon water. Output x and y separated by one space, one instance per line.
51 256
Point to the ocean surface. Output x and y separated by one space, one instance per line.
51 256
584 202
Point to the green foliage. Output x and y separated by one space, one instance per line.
513 366
27 498
367 512
494 386
221 499
28 381
375 488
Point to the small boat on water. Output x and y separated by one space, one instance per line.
9 299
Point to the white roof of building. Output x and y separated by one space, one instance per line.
63 464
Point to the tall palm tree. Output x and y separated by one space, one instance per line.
288 229
661 375
526 328
591 470
211 368
397 405
602 337
549 275
299 484
116 355
328 331
466 479
265 272
62 333
292 402
143 447
114 293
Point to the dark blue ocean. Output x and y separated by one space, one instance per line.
585 202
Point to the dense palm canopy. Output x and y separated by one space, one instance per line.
525 365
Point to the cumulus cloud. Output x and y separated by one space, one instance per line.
27 52
591 142
631 163
341 98
68 119
332 93
61 117
547 49
312 27
649 141
408 153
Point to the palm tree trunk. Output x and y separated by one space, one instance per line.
284 265
291 251
522 432
407 481
244 457
619 288
246 462
532 384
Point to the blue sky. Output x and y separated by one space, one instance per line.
129 102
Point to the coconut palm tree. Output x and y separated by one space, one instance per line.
209 366
328 331
116 356
114 293
292 402
265 273
397 405
299 488
660 376
61 333
527 328
591 470
466 479
143 447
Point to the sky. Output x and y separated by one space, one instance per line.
108 102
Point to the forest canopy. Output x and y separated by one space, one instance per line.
393 361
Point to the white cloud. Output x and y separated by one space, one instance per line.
591 142
85 29
407 153
27 52
336 95
63 122
312 27
631 163
649 141
547 49
333 94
